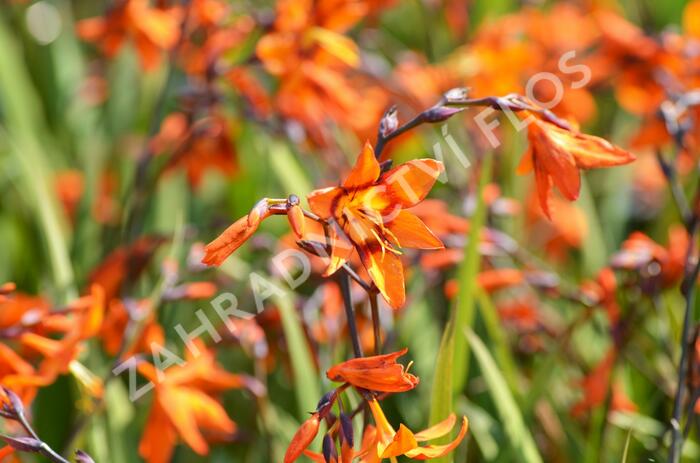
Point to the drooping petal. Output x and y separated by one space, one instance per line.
437 430
436 451
555 159
411 232
543 182
410 182
366 169
386 270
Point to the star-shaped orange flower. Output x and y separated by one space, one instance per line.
368 213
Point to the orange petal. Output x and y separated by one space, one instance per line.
386 271
322 201
162 27
499 278
159 437
403 442
188 409
560 165
341 249
437 430
91 29
589 151
366 169
691 19
375 373
430 452
277 52
525 165
543 182
410 182
411 232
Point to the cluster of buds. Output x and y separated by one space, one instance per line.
11 408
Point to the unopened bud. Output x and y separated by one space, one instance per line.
23 444
326 403
330 454
441 113
14 401
295 216
389 122
302 438
456 95
346 432
82 457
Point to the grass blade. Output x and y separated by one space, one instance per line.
466 276
24 129
512 421
306 386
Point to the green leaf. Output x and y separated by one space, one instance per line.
26 132
498 336
451 364
288 171
306 385
510 415
466 277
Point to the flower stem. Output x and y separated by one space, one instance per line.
688 289
374 304
349 313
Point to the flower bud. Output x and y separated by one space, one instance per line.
330 454
389 122
23 444
82 457
441 113
456 95
302 438
296 220
346 431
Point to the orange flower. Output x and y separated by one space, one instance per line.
309 53
499 278
639 252
197 147
557 154
384 442
596 386
153 30
124 261
183 405
376 373
368 214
